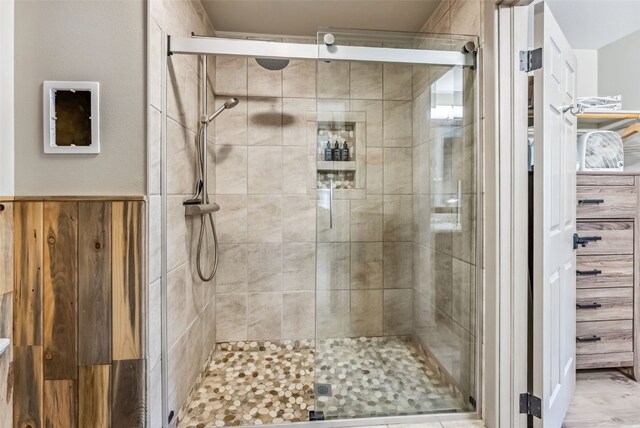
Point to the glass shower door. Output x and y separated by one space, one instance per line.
395 170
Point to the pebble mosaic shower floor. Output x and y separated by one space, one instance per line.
256 383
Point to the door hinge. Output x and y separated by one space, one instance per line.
530 405
531 60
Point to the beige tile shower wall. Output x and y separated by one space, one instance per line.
265 185
445 260
191 303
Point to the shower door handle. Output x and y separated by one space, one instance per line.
331 204
459 202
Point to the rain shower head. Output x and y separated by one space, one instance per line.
229 104
273 64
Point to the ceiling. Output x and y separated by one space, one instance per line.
592 24
303 17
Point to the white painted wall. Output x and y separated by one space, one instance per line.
99 40
6 99
619 70
587 72
592 24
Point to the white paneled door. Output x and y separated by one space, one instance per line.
554 221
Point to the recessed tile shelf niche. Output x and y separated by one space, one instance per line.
347 177
336 166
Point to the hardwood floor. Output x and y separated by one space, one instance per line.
604 398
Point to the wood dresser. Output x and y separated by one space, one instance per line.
607 274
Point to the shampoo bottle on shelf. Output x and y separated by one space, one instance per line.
344 152
336 152
328 152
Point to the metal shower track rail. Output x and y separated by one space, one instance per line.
198 45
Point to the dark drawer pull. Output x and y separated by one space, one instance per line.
588 306
584 240
588 272
590 201
588 338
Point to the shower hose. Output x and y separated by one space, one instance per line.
203 225
203 218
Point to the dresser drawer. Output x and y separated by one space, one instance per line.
586 179
616 237
604 271
598 361
599 337
606 201
604 304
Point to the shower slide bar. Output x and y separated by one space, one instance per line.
198 45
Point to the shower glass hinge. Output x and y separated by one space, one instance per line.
472 401
531 60
316 415
530 405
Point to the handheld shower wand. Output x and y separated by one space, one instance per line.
199 203
204 121
229 104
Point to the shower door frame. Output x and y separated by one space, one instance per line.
201 45
206 45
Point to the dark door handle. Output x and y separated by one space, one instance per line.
588 306
588 338
590 201
583 240
588 272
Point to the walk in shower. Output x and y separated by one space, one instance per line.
347 178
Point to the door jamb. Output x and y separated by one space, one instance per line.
512 209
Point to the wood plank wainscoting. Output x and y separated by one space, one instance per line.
6 305
79 312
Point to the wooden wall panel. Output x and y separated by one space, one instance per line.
28 242
6 359
80 275
60 404
94 283
6 247
128 386
6 318
28 387
6 311
60 290
128 279
94 396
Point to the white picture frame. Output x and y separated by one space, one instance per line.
52 135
